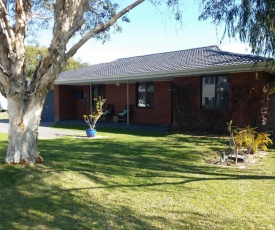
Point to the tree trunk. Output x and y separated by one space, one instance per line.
24 119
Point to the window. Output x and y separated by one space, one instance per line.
145 91
215 93
97 90
79 94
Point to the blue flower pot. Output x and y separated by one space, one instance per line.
90 132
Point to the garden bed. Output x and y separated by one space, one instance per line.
244 159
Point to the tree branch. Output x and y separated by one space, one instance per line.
67 21
100 28
23 8
6 26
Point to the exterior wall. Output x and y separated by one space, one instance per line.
159 114
245 96
64 102
184 111
83 105
246 91
67 107
117 95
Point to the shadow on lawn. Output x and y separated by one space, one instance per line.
135 130
52 208
139 161
28 200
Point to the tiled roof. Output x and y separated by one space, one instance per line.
191 59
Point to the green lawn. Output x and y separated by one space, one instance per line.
135 180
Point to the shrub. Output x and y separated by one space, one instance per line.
247 138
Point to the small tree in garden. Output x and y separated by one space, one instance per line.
247 138
92 119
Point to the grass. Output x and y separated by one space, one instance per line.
135 180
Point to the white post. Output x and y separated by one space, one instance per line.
91 100
128 116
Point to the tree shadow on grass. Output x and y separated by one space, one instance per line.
134 130
27 202
33 198
104 157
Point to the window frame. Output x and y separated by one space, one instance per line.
147 85
208 82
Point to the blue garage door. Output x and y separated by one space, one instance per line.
48 110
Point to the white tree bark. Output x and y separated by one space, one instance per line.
23 131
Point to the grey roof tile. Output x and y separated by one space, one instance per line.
197 58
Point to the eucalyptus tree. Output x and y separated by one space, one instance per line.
67 19
253 21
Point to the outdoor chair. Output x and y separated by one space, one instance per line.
108 112
122 115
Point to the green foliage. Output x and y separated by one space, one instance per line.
248 138
92 119
34 55
245 137
252 20
74 64
261 141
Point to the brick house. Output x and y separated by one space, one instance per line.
194 89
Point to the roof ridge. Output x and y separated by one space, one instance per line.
167 52
245 55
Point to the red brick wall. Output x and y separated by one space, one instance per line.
117 95
83 106
245 97
67 106
64 102
186 102
159 114
244 102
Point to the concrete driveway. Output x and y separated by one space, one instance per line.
45 131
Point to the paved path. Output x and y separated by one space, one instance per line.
45 131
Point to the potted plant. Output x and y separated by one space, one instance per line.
92 119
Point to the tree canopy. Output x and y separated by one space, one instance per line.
253 21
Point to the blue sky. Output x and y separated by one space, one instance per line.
153 30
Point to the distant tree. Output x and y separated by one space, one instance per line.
34 55
67 19
253 21
74 64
